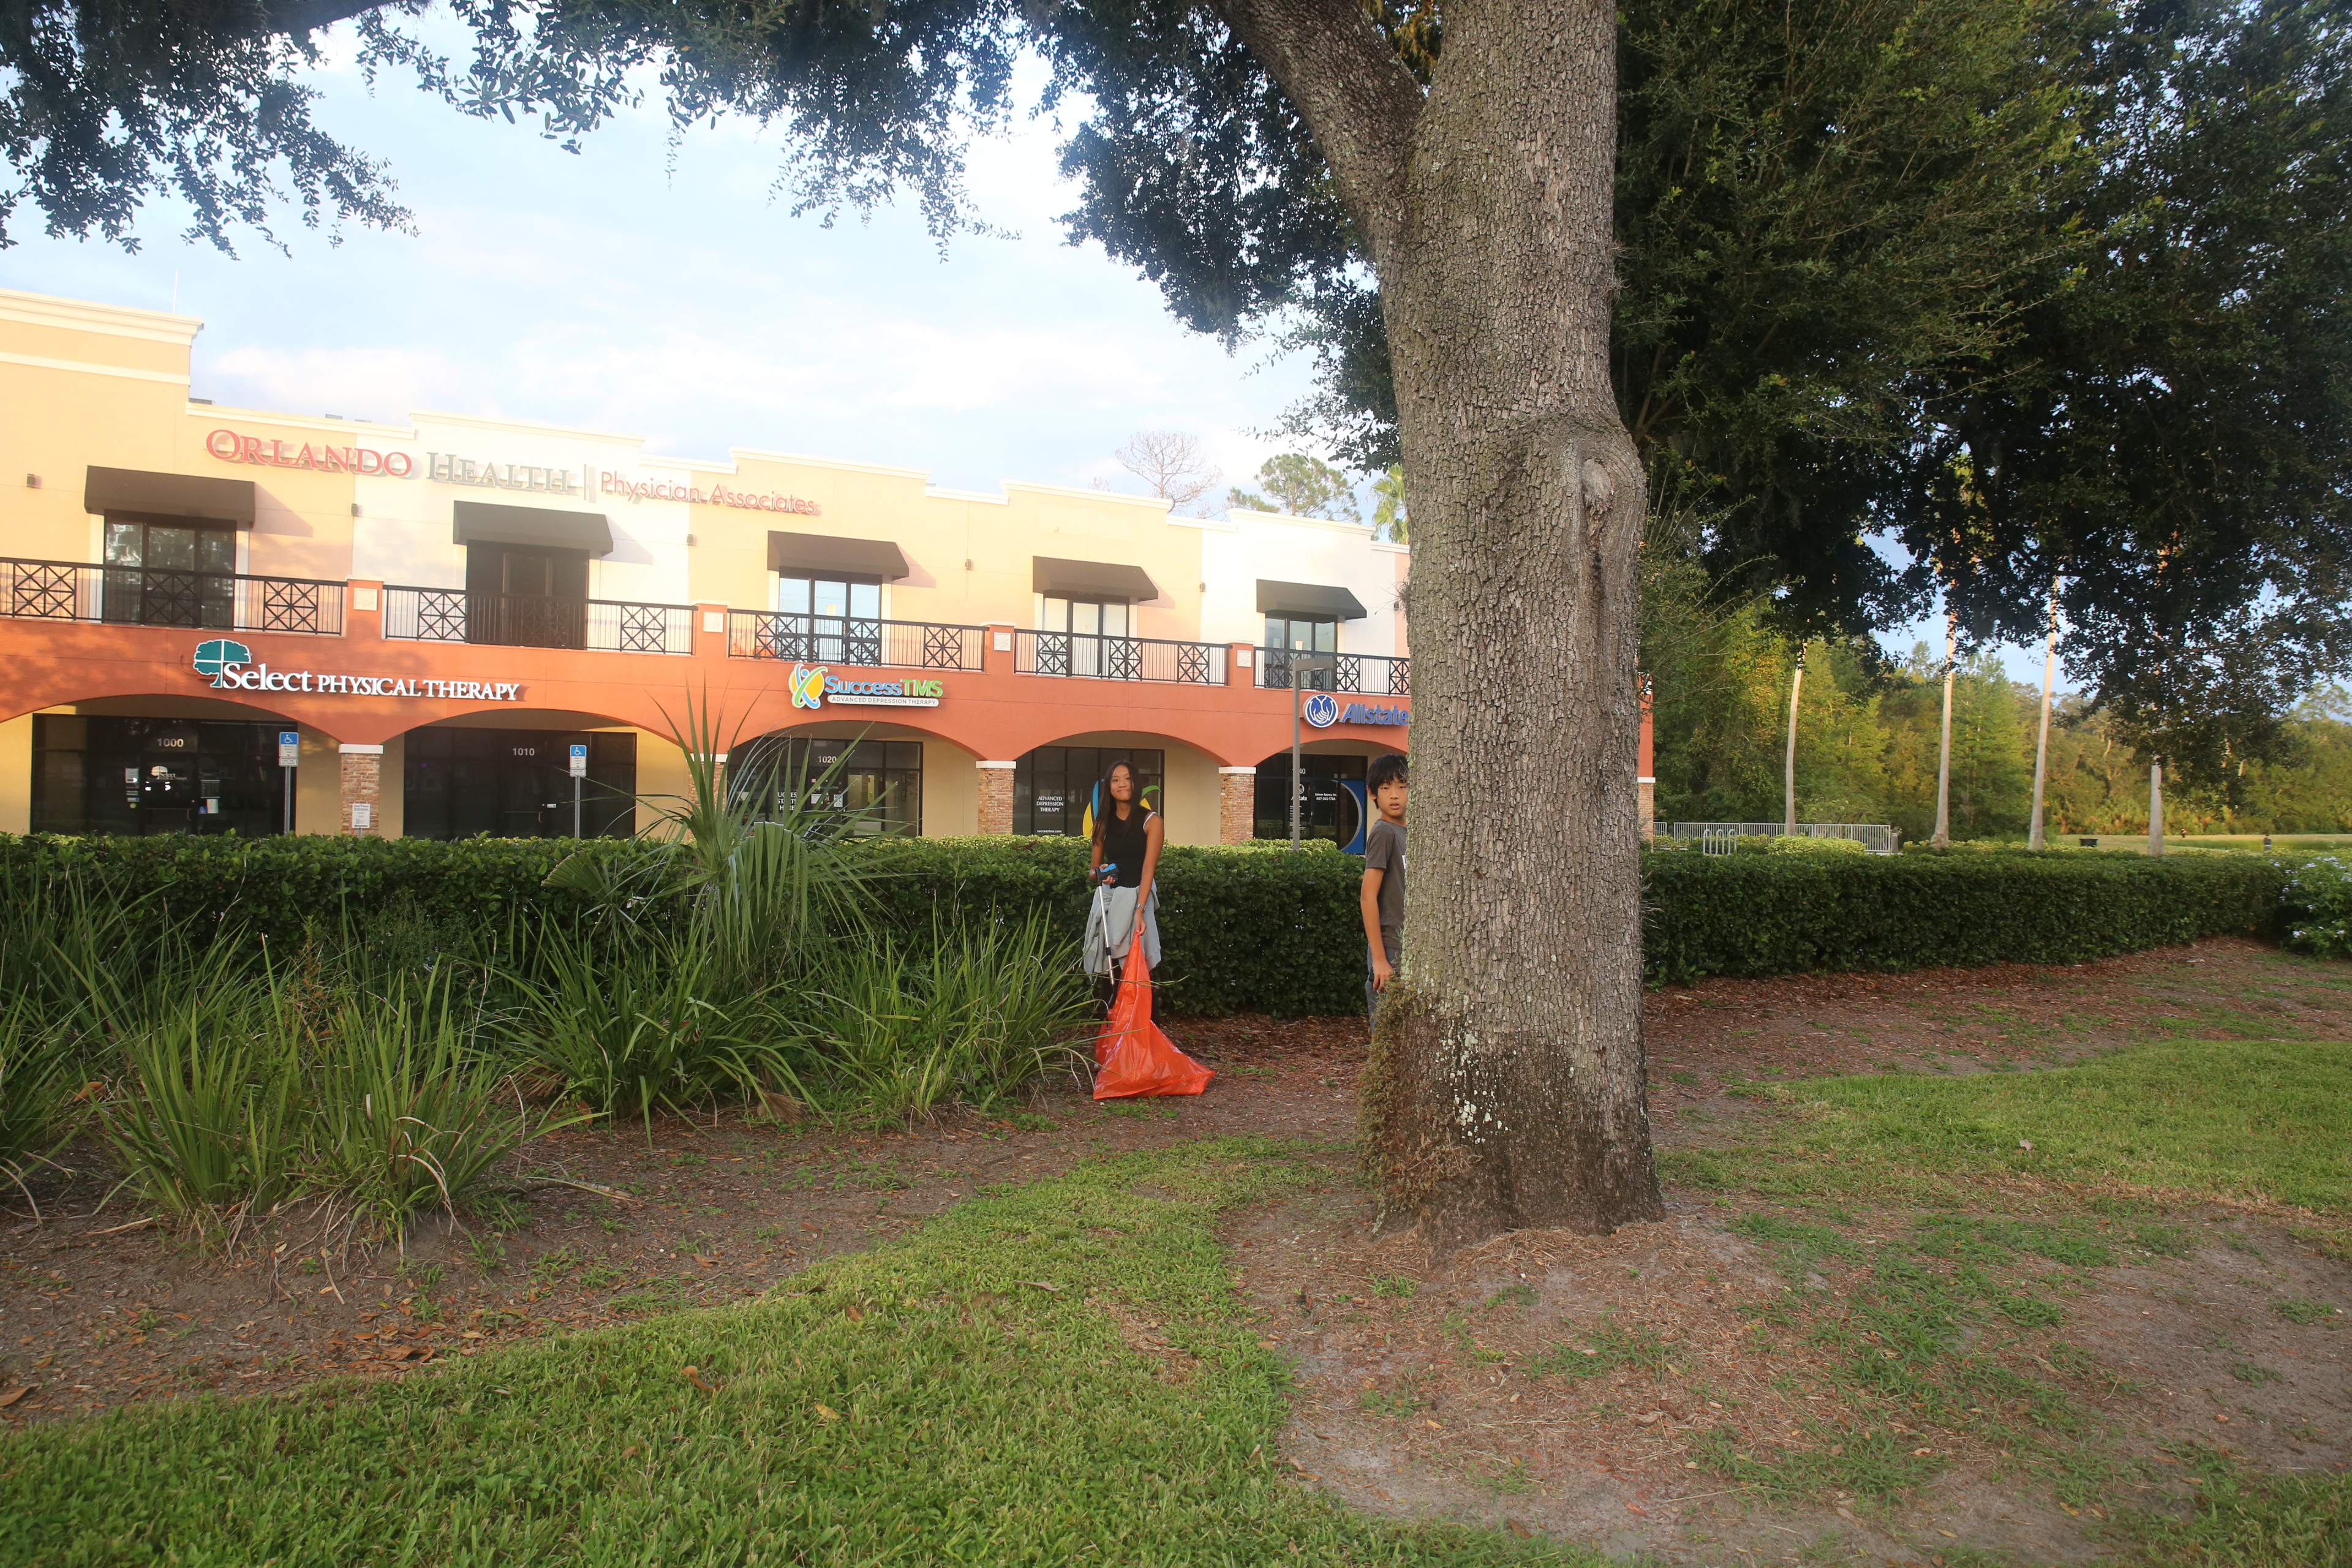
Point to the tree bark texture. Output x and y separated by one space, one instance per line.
1507 1088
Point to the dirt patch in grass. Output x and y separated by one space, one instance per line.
1696 1390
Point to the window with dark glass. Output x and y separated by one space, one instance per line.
526 595
515 784
833 619
875 785
1053 786
141 776
169 574
1331 809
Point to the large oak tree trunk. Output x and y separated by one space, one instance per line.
1507 1087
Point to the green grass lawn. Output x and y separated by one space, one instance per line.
963 1395
1924 1329
2262 1120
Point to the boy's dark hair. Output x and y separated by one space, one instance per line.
1385 770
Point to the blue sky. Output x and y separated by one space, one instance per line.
661 289
657 289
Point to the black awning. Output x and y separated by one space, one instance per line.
812 555
1093 580
1308 599
540 528
133 493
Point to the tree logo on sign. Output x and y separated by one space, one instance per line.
218 654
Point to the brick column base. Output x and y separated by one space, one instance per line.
1236 805
996 797
362 790
1646 791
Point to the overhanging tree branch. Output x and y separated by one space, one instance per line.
1357 96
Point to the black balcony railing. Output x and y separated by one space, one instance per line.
1362 674
1119 659
842 639
153 597
530 620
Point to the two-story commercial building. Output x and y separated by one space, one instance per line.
443 613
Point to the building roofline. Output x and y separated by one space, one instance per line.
1075 492
528 427
88 316
318 422
1292 520
842 464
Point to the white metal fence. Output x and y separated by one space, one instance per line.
1716 837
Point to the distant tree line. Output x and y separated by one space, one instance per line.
1866 746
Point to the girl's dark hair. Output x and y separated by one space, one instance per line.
1104 805
1385 769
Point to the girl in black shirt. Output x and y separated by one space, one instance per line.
1123 861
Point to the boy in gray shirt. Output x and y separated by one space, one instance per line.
1384 894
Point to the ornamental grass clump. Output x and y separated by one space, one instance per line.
410 1108
970 1017
39 1084
203 1117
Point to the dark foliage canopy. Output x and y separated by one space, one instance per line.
2019 288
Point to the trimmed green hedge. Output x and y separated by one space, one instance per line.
1784 914
275 887
1242 930
1252 929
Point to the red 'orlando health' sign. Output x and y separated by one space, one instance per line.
230 447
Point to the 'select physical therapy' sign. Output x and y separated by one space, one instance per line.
224 662
814 686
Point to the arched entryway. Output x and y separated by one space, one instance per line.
168 763
885 778
1053 785
509 775
1332 803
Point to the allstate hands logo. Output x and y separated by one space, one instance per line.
1322 710
808 686
219 654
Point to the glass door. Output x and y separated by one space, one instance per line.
522 598
1097 631
833 620
1288 634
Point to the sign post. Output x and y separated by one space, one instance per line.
290 758
579 772
1313 662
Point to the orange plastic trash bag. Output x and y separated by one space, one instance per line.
1132 1056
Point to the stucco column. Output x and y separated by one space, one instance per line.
1647 790
362 790
995 796
1236 805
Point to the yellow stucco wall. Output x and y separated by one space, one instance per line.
301 517
940 533
16 775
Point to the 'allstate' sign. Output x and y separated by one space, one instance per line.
1322 710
